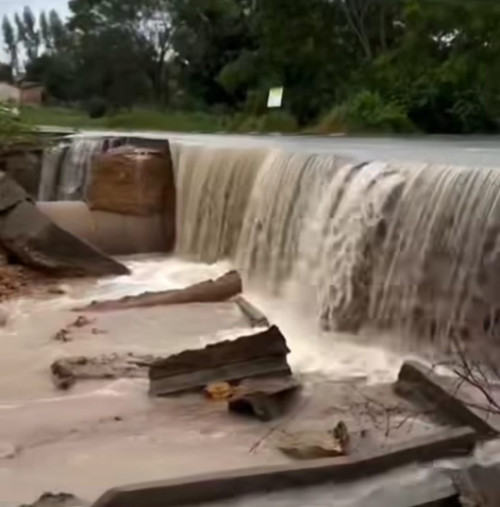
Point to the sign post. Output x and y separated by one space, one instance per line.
275 99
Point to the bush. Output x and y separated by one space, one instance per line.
278 121
96 107
366 112
275 121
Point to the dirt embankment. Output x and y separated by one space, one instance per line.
17 280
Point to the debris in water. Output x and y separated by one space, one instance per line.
57 500
265 398
248 356
81 321
219 391
316 444
58 290
211 291
7 450
96 331
253 314
66 371
63 335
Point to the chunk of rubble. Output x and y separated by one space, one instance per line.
251 312
266 398
67 371
316 444
210 291
261 354
32 239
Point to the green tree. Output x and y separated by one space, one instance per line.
10 42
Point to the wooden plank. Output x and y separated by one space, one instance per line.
416 376
219 486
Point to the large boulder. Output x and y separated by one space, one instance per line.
32 239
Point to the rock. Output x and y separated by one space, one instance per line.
31 238
24 165
66 371
11 193
265 398
211 291
311 445
81 321
130 181
63 335
57 500
249 356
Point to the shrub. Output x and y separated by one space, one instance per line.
96 107
278 121
366 112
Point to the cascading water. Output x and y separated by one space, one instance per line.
67 166
401 246
386 245
213 188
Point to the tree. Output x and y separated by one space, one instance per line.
45 32
9 38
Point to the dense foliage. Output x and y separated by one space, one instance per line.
358 65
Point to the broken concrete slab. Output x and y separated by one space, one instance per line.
32 239
416 379
210 291
254 315
11 193
224 485
66 371
478 486
256 355
264 398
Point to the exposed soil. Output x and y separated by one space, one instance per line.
17 280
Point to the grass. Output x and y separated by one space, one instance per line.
136 119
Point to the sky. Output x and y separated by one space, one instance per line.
10 7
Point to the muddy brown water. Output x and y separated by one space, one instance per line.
102 434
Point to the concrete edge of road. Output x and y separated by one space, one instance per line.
224 485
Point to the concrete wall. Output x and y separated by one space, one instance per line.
10 93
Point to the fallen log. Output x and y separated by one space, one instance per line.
29 237
66 371
210 291
262 354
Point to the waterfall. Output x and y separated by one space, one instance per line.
76 168
213 189
389 245
67 166
53 158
